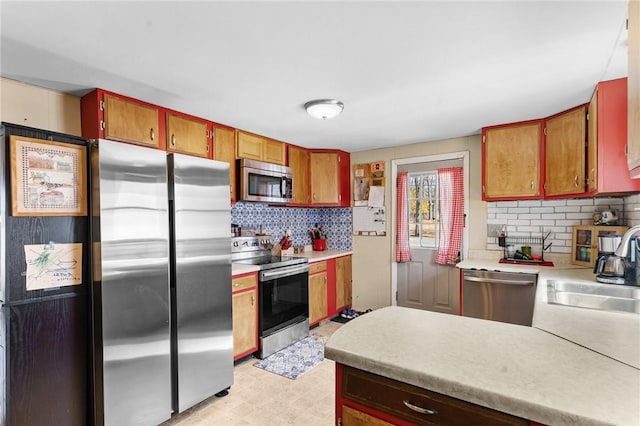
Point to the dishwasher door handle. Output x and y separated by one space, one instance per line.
497 281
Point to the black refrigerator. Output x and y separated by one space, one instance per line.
43 331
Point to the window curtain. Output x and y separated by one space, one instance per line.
403 251
451 206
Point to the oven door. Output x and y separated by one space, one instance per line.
284 298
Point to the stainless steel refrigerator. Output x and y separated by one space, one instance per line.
162 338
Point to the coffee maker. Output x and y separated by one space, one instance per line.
629 253
632 263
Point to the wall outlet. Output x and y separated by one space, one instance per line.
494 229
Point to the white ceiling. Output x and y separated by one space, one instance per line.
407 72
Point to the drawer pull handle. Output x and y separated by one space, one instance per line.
419 409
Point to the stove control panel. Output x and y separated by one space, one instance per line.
241 244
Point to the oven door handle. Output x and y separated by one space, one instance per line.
286 271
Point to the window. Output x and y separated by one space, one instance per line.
423 209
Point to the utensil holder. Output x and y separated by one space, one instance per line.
319 245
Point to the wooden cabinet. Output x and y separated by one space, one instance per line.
224 149
511 156
566 136
110 116
394 402
299 164
318 306
584 245
343 282
256 147
188 135
245 314
633 89
607 140
329 176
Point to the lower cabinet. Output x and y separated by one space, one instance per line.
343 282
329 288
245 314
318 306
365 398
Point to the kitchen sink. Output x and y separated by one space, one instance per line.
604 297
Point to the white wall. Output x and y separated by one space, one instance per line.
33 106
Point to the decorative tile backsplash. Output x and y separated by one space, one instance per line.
275 220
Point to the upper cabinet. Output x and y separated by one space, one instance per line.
188 135
109 116
583 152
633 90
299 164
329 176
607 170
511 161
566 136
256 147
224 149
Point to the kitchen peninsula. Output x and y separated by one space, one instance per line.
522 371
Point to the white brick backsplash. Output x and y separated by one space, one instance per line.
570 209
580 202
529 216
543 222
554 203
542 210
533 218
519 210
532 203
580 216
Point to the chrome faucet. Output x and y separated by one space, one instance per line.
623 248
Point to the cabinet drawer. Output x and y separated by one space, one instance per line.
314 268
392 397
241 283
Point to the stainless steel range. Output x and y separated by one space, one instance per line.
283 293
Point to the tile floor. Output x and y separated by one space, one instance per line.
258 397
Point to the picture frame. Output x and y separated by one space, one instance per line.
47 178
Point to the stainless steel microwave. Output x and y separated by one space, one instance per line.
265 182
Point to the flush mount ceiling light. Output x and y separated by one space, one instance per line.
324 108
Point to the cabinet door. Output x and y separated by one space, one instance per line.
633 89
130 122
353 417
343 282
511 161
592 143
249 146
273 151
317 297
187 136
245 322
564 153
299 163
324 176
224 149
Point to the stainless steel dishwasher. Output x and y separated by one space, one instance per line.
498 296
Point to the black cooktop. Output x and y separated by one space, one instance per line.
270 262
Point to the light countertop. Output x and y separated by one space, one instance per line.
515 369
313 256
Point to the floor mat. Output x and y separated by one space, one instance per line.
296 359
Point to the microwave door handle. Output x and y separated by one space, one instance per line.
283 186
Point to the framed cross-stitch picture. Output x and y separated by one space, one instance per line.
47 178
